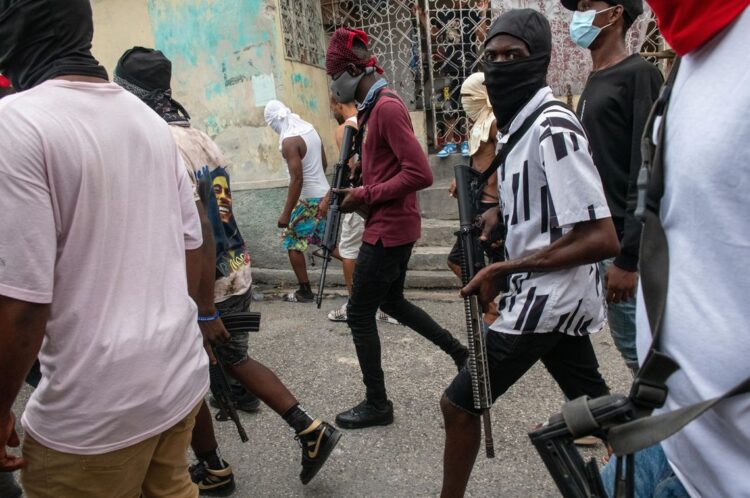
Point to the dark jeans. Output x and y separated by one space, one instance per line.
569 359
379 282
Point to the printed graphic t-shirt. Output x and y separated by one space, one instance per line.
547 185
96 212
207 167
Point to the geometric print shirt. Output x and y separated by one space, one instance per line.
548 184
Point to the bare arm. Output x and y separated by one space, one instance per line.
204 260
22 327
588 242
291 151
323 158
204 296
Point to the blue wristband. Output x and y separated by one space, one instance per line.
209 318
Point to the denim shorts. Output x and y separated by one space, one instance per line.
234 352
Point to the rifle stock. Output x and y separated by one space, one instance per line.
472 259
333 218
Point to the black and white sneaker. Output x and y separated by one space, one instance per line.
212 482
317 441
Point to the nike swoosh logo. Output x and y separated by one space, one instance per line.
314 454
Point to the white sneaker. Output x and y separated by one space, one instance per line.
384 317
339 314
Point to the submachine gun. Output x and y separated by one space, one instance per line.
220 388
472 260
341 178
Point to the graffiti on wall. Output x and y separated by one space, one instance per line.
226 43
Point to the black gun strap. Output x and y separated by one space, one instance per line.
364 117
515 137
649 388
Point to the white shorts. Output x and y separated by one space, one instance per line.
352 228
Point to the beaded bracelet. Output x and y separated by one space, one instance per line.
209 318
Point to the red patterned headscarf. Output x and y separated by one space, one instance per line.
340 53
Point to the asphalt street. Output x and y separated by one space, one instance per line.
315 358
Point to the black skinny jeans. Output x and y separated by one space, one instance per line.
379 282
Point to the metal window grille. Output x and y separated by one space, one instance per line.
456 30
394 39
302 27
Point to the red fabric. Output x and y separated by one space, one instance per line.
688 24
340 54
4 82
394 168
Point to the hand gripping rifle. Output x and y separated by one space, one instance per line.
472 260
220 388
333 219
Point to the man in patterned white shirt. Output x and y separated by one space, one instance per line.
558 227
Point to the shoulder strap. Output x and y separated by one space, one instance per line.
649 389
364 117
514 139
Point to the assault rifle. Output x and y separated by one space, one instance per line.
333 219
220 387
472 260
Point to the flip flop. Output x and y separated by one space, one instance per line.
295 297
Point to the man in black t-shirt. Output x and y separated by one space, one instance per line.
613 108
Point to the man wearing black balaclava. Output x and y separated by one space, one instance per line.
558 228
98 226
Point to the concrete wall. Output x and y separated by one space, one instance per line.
228 61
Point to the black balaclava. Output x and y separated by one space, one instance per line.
511 84
147 73
44 39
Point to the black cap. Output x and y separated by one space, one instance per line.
145 67
632 8
527 25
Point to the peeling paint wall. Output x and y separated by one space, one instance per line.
228 61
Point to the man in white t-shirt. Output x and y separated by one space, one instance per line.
704 214
303 153
98 220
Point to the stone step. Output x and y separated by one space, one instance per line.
429 258
415 279
438 232
435 202
442 167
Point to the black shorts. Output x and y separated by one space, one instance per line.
569 359
493 255
234 352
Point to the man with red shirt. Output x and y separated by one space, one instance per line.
394 168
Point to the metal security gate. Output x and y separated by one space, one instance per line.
395 40
456 32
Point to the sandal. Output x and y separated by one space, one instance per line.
296 297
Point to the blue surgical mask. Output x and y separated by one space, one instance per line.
582 29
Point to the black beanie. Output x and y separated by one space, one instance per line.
145 67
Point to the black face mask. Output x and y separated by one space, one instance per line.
510 85
44 39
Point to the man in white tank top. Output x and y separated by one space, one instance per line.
303 225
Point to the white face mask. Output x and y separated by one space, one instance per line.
582 29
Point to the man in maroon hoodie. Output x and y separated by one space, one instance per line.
394 168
